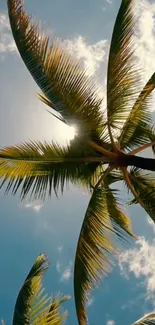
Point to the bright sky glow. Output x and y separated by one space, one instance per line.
67 132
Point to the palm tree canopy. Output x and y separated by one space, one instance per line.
103 149
32 305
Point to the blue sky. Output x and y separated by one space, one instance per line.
28 229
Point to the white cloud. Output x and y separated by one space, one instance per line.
110 322
66 275
91 55
58 267
7 43
140 261
35 205
145 36
60 248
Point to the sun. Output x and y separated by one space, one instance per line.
68 132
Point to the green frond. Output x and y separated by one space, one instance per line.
152 138
103 221
38 168
144 185
32 307
65 86
136 129
114 176
31 287
148 319
122 76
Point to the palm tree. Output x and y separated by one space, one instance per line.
35 308
104 150
32 306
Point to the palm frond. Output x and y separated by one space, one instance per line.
136 129
152 138
54 309
144 185
37 168
122 76
65 86
32 307
148 319
114 176
103 221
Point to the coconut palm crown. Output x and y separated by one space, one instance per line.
104 150
32 305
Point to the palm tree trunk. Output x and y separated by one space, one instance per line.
136 161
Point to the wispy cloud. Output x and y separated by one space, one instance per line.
58 267
91 55
140 262
66 275
35 205
60 248
110 322
7 43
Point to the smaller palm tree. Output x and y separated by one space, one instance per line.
32 306
35 308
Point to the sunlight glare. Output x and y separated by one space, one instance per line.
68 132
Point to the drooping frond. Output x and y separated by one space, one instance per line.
148 319
122 75
136 129
65 86
38 168
103 220
32 307
144 185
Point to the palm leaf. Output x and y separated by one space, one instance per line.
144 185
66 88
103 220
38 168
32 307
152 138
122 76
148 319
136 130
